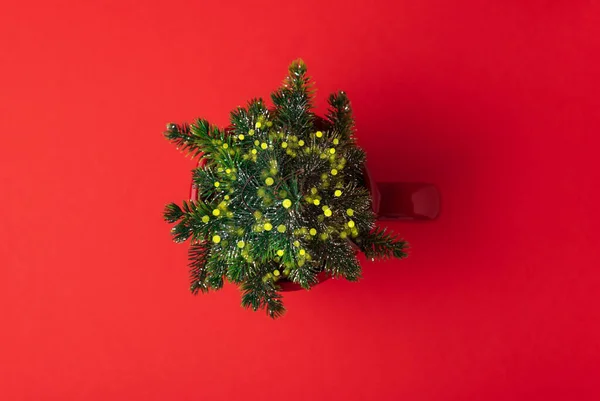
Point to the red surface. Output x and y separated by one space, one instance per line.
496 102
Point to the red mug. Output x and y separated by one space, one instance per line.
391 201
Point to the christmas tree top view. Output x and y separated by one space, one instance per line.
282 197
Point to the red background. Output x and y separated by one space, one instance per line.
496 102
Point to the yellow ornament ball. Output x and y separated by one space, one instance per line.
286 203
337 193
268 226
216 239
269 181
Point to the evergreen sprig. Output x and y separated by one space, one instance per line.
282 196
379 244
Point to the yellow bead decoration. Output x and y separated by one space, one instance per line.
258 125
280 252
241 244
281 228
351 223
318 134
216 239
350 212
205 219
216 212
241 137
313 232
337 193
268 226
269 181
286 203
334 172
327 212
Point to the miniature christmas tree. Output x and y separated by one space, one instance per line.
281 196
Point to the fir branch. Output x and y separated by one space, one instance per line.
294 102
379 244
305 275
190 222
183 138
209 184
209 139
216 269
172 213
340 261
198 255
355 164
340 115
240 121
259 294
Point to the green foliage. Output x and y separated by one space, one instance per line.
281 197
378 244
